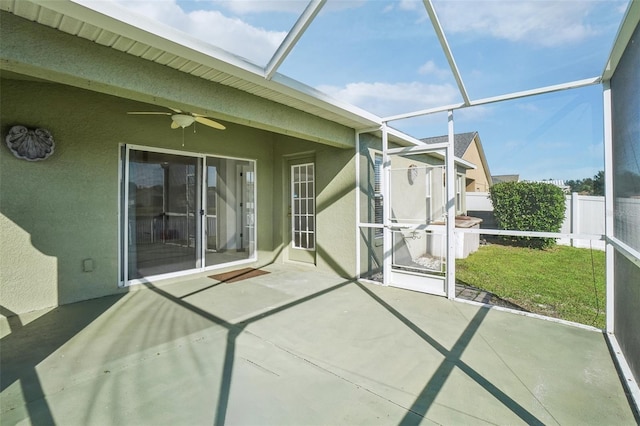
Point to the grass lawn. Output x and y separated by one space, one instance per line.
557 282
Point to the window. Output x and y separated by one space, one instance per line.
459 193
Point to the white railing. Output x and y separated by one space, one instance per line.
583 215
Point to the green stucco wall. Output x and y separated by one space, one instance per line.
57 212
335 201
38 51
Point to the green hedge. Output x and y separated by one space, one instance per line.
529 206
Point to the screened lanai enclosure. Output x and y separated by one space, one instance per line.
328 104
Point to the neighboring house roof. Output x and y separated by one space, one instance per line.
557 182
505 178
461 143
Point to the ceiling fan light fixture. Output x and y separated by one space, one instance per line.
183 120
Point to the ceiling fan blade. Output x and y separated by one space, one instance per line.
175 110
209 122
148 113
174 125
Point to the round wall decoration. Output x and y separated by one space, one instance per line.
412 173
30 144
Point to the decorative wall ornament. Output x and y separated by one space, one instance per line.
30 145
412 173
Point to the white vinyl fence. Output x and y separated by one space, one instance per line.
583 215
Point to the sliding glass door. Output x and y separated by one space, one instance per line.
230 211
184 213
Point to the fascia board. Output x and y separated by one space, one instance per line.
306 93
114 18
464 163
402 138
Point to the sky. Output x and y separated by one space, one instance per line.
384 57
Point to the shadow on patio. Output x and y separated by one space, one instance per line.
301 347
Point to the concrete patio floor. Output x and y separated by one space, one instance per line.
300 347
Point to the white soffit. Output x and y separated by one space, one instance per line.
108 24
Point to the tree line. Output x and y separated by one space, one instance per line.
588 186
626 184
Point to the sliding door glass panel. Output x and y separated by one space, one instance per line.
163 201
230 210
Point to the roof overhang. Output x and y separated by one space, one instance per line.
108 24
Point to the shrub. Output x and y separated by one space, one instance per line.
529 206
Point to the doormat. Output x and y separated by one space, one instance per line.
238 275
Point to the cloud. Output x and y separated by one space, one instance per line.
595 150
243 7
473 114
410 5
234 35
430 68
231 34
387 99
544 23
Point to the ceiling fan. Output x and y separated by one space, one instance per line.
180 119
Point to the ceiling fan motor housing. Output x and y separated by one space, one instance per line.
183 120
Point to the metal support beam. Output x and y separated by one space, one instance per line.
422 112
450 173
447 50
293 36
608 206
357 192
510 96
421 149
539 91
535 234
386 209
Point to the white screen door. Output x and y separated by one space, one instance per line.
416 225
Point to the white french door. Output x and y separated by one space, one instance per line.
302 226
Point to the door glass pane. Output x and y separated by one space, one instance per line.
302 218
211 223
162 221
230 224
